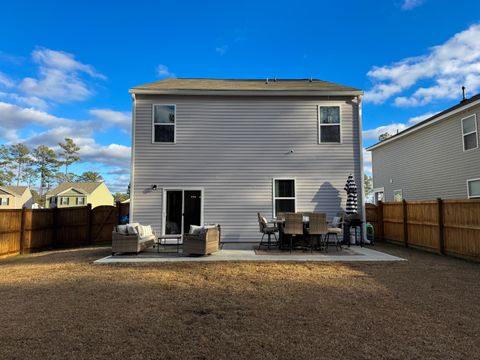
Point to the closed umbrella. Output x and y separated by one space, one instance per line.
351 189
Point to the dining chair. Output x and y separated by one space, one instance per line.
293 226
335 229
317 228
266 229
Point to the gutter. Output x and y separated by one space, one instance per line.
132 159
246 92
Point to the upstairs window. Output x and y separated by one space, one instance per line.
473 187
469 132
4 201
163 124
284 197
329 124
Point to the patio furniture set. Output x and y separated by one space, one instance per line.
134 238
307 230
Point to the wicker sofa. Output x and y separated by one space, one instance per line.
205 242
126 243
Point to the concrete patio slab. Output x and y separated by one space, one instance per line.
246 253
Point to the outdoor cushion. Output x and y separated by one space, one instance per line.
122 229
132 228
144 230
264 220
195 229
335 230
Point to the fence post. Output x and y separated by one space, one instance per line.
380 220
89 223
405 223
441 240
22 231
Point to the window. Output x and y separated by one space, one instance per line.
64 201
4 201
284 196
80 201
397 195
378 195
469 132
163 123
473 188
329 124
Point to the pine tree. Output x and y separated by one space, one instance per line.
46 164
69 153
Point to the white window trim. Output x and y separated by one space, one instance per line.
471 132
78 200
376 191
468 192
64 197
394 191
337 104
174 125
283 198
6 203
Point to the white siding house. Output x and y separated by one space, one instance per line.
219 151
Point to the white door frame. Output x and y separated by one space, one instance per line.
182 189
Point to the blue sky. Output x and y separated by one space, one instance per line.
66 67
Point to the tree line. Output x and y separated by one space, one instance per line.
20 165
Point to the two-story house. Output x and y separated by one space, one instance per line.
219 151
438 157
15 197
70 194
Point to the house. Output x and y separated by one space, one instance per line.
436 158
219 151
15 197
70 194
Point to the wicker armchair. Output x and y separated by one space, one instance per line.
130 243
204 243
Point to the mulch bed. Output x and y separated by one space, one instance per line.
59 305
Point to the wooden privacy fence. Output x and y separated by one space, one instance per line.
27 230
449 227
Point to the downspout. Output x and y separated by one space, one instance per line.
362 172
132 160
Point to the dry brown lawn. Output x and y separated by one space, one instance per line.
60 305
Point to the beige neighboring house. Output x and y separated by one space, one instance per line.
15 197
71 194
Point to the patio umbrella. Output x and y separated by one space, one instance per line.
351 189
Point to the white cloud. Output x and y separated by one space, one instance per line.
31 101
367 162
392 129
108 117
5 81
60 77
221 50
162 71
411 4
442 72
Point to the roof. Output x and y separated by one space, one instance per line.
270 86
86 187
464 104
15 190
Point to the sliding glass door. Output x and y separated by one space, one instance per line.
182 208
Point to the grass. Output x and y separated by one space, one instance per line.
60 305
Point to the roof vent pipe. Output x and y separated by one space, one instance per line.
463 94
266 81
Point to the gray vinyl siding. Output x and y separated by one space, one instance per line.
233 147
428 163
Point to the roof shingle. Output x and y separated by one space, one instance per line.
87 187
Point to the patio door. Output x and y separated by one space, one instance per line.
181 208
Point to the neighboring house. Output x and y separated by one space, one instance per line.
438 157
70 194
15 197
219 151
